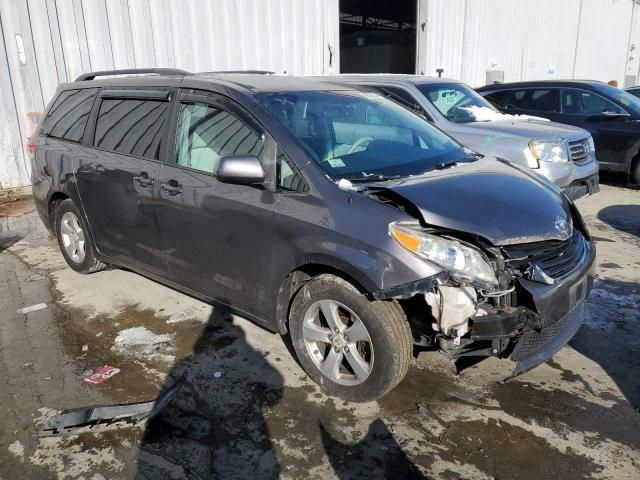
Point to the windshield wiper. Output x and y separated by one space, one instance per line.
374 178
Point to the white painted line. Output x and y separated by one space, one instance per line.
32 308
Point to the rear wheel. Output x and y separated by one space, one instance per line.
352 347
74 240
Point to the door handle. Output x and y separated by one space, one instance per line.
171 187
143 179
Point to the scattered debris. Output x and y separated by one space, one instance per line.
85 348
102 375
344 184
218 375
27 365
78 420
32 308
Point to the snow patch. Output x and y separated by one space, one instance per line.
140 340
17 449
486 114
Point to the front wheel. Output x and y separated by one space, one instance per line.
354 348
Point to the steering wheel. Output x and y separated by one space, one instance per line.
360 143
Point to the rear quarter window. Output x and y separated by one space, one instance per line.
67 117
131 126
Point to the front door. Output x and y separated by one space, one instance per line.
217 236
117 179
612 135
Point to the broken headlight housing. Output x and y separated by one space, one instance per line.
463 261
554 151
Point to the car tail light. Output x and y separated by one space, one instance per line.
31 149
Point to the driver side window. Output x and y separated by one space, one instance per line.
207 132
586 103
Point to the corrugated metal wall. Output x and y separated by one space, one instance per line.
51 41
530 39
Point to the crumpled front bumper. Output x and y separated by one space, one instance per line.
560 309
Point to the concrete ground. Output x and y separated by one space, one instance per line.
260 417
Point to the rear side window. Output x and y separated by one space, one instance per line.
498 99
404 98
68 116
540 99
133 127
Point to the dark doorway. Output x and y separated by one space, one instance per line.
378 36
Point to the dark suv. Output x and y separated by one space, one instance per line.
610 114
314 209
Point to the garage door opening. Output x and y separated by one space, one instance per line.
378 36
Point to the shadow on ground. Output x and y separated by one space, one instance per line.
622 217
611 334
216 425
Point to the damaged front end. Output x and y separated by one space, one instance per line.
527 310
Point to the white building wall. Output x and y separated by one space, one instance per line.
529 39
526 39
64 38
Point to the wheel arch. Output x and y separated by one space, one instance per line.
294 280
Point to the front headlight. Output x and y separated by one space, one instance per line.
464 262
549 150
592 146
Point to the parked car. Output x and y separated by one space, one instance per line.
317 210
635 91
562 153
609 113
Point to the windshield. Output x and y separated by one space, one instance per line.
459 103
627 100
362 136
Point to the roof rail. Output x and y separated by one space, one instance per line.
131 71
252 72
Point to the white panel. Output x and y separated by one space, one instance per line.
603 40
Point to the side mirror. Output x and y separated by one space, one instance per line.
240 169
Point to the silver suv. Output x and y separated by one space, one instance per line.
561 153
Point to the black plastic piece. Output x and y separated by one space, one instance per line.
503 324
408 290
131 71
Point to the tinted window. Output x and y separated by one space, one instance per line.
205 133
537 99
404 98
68 116
499 99
457 102
362 136
133 127
586 103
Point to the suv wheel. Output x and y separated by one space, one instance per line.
74 239
354 348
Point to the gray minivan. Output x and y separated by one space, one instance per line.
318 210
562 153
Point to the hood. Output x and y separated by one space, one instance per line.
529 129
491 199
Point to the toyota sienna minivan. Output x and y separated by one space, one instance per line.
317 210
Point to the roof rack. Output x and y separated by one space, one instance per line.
252 72
131 71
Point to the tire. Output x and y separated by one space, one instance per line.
382 360
74 239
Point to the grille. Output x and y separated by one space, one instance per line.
579 151
556 258
532 341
